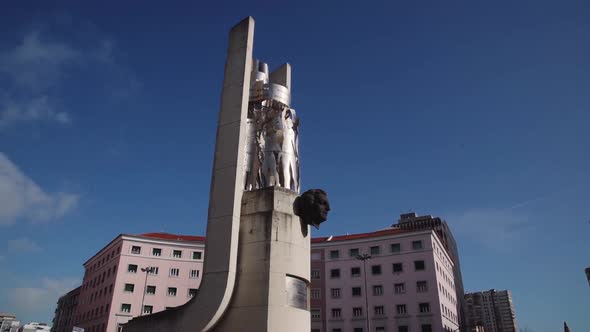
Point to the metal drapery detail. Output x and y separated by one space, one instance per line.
272 146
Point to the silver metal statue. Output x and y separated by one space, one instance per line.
272 147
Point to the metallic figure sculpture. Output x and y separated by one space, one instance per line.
272 147
312 207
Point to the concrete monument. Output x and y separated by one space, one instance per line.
257 265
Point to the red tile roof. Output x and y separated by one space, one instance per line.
389 231
168 236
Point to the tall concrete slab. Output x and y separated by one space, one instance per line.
203 312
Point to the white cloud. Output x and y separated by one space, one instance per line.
22 199
42 298
35 109
35 63
493 228
23 244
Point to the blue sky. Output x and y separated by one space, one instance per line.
476 112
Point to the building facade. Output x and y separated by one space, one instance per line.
491 309
63 321
137 275
404 284
588 274
408 284
8 322
412 222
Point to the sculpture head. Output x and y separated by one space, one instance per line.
312 207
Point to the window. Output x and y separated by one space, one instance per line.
316 293
336 330
397 267
197 255
147 309
376 269
426 328
421 286
355 272
126 307
399 288
194 274
336 312
192 292
132 268
353 252
177 253
129 287
377 290
335 273
417 245
396 247
334 254
375 250
358 329
174 272
401 309
357 311
419 265
424 307
335 292
153 271
379 310
156 252
402 328
315 274
356 291
136 250
150 290
380 329
171 291
315 314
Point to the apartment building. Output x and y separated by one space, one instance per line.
135 275
406 280
63 321
389 280
491 309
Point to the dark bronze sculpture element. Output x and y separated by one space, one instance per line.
312 207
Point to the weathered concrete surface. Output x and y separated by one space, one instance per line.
273 247
203 311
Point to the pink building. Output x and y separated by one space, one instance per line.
408 284
136 275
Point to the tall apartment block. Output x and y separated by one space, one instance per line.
404 282
413 222
138 275
408 282
491 309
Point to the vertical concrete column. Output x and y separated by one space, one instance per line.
203 311
272 286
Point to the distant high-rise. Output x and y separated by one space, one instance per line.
492 309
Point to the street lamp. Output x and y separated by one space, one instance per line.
364 258
147 271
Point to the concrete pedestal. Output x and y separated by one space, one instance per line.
272 283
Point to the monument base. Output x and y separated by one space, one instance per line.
273 273
272 287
